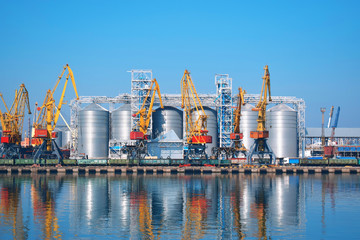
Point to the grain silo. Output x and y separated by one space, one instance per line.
248 123
282 126
121 123
66 139
166 119
94 131
211 127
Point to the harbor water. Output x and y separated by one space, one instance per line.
241 206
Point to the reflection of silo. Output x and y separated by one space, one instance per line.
66 139
58 138
248 123
281 123
94 131
211 127
166 119
121 123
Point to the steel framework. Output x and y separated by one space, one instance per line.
224 108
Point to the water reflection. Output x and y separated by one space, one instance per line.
176 207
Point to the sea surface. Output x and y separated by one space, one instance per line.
180 206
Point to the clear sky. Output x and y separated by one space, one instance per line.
312 47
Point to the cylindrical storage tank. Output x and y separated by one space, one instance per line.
248 123
282 126
58 138
94 131
121 123
211 127
166 119
66 139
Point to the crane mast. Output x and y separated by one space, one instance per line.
260 146
12 122
195 120
45 124
237 136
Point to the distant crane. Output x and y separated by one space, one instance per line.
322 110
260 146
12 123
140 132
195 129
44 126
330 116
334 124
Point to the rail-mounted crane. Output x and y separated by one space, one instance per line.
195 121
260 146
12 123
236 136
43 127
140 132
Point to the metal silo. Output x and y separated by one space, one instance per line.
121 123
248 123
211 127
166 119
94 131
282 126
66 139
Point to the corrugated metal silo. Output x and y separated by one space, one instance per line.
94 131
121 123
166 119
66 139
248 123
282 126
211 127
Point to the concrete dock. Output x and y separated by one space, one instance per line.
156 170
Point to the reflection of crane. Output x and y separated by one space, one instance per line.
195 216
140 132
47 119
196 129
12 123
260 145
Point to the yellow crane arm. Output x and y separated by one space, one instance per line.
237 112
63 93
145 114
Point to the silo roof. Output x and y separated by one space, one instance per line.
281 108
94 107
247 107
125 107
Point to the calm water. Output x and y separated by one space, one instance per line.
180 207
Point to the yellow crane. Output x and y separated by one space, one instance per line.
43 128
145 112
260 146
140 132
195 128
237 136
12 123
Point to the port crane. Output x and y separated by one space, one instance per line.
12 123
236 136
260 146
140 132
195 121
43 127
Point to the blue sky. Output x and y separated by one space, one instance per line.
311 47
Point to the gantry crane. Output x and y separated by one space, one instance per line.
140 132
43 128
260 146
195 121
236 136
12 123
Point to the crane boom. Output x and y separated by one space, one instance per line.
48 117
145 112
236 136
196 129
13 119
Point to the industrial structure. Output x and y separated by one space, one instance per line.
218 108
